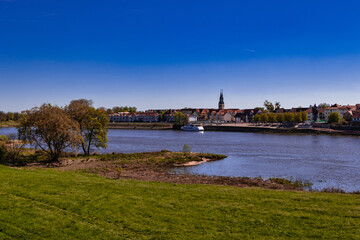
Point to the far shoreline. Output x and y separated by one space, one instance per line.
236 128
239 127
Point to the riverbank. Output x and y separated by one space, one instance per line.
157 166
8 124
278 129
232 127
143 126
52 204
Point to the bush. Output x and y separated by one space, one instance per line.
186 148
3 138
334 118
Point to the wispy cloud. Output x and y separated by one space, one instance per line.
249 50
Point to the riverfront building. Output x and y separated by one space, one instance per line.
221 101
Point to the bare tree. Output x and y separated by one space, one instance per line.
51 129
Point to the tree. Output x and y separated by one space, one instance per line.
277 105
162 116
92 124
186 148
269 106
118 109
280 117
334 117
297 117
288 117
180 118
271 117
323 105
263 117
51 129
304 116
256 118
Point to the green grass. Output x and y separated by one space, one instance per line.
51 204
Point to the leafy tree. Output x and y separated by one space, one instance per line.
269 106
162 117
186 148
288 117
103 109
334 118
277 105
51 129
297 117
180 118
132 109
118 109
280 117
304 116
2 116
256 118
324 105
271 117
264 117
92 124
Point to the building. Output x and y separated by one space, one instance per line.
221 101
339 109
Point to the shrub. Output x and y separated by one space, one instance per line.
288 117
264 117
334 118
186 148
280 117
3 138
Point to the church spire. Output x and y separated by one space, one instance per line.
221 101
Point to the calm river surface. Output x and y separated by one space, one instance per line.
326 161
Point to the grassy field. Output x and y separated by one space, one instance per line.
54 204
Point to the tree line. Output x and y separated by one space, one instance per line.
281 117
118 109
10 116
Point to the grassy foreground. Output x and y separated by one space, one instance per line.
53 204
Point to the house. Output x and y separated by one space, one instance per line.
192 118
339 109
221 115
356 116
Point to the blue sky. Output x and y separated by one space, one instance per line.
173 54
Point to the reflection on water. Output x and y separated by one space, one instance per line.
326 161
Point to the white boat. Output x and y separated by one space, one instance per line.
193 127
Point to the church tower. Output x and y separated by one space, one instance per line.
221 101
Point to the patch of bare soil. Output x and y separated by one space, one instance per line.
159 171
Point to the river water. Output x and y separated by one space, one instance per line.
326 161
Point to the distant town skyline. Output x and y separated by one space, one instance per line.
161 54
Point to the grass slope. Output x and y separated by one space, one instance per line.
51 204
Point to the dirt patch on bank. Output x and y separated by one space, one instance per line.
158 166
